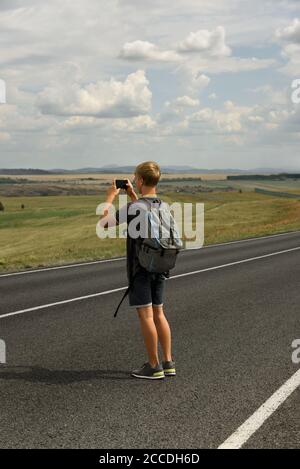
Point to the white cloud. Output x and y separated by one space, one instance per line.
203 115
136 124
173 110
142 123
112 98
291 52
194 81
256 119
290 33
289 38
194 55
186 101
276 117
191 74
66 53
242 125
143 50
231 119
211 43
269 95
199 80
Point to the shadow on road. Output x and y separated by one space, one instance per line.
36 374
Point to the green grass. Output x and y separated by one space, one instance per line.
54 230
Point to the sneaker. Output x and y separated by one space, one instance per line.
146 371
169 368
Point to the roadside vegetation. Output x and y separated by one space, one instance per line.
55 230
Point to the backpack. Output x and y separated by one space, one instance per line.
157 252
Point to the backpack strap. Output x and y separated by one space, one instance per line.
125 294
150 209
148 201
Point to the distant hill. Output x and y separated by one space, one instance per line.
264 177
23 171
113 168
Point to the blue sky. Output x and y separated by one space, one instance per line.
193 82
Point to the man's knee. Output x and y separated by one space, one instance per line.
145 312
158 312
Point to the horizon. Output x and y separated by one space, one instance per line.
179 167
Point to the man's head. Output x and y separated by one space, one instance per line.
146 175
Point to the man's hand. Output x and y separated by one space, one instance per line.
112 192
130 191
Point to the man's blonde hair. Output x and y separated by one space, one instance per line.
149 171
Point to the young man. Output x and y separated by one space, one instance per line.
146 294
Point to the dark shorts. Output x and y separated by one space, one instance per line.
147 289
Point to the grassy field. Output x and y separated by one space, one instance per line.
54 230
93 184
89 184
248 185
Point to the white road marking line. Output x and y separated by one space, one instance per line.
257 238
253 423
124 288
61 267
21 311
43 269
234 263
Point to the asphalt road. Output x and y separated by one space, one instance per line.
67 383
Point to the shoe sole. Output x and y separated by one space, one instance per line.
170 372
148 377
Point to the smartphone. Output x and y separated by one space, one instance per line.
121 183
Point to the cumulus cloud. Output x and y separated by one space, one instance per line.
289 38
192 77
112 98
136 124
232 120
61 94
143 50
193 56
199 80
234 124
269 95
211 43
290 33
242 125
186 101
175 109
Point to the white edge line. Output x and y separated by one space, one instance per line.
14 313
256 420
21 311
234 263
257 238
101 261
68 266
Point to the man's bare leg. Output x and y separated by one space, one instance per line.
163 331
149 333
